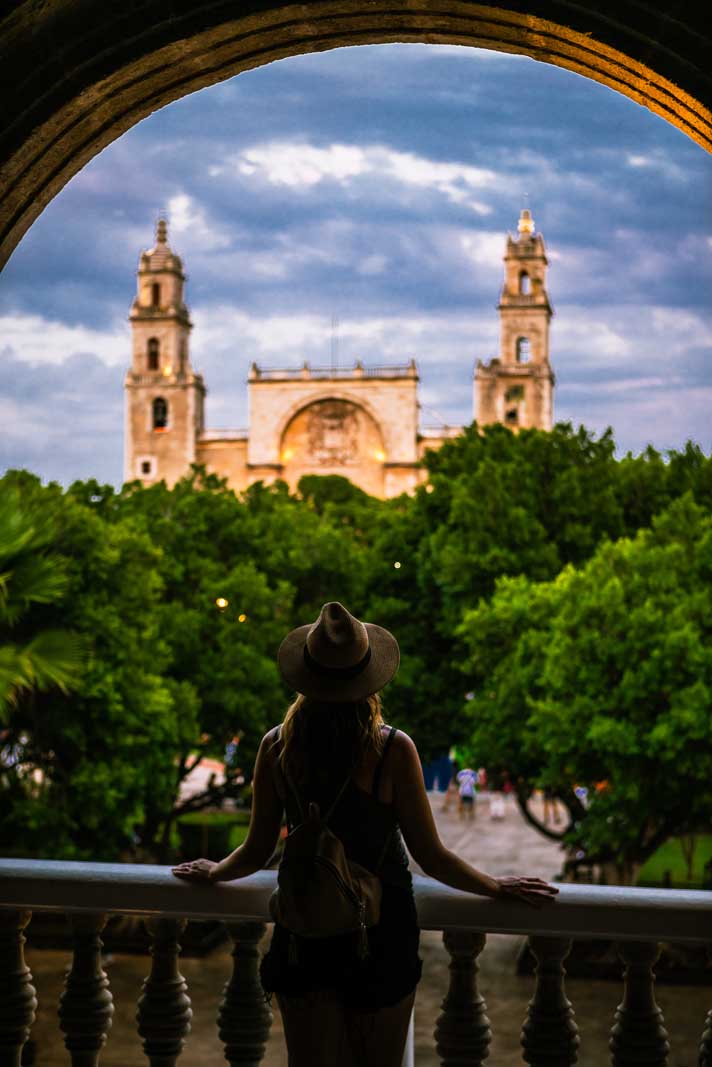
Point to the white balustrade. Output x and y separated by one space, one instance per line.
244 1019
550 1035
18 1002
462 1032
638 1037
637 919
86 1006
164 1011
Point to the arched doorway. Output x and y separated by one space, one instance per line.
84 72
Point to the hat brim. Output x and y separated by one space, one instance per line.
381 667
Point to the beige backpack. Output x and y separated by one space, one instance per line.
321 893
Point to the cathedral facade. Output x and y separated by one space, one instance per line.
360 421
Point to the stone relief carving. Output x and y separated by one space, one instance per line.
332 432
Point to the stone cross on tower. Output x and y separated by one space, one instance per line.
516 388
164 399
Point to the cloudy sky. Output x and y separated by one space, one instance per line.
373 186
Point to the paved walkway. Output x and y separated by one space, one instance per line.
509 846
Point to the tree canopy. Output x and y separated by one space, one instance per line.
602 679
538 561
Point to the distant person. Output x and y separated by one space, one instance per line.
551 807
467 784
497 807
345 1003
451 791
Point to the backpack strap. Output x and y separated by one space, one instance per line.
330 812
283 773
379 766
295 792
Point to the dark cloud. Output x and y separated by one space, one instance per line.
63 421
405 166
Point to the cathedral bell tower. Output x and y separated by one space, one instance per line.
517 387
164 399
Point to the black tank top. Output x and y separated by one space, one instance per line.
366 826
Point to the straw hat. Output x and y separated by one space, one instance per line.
338 657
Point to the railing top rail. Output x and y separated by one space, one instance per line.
137 889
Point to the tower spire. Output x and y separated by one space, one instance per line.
161 231
516 387
526 223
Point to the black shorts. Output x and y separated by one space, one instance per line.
389 973
467 800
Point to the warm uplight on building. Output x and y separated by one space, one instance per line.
380 455
167 371
397 565
221 603
242 618
287 455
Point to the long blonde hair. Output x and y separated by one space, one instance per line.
321 739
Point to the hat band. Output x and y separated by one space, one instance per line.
337 672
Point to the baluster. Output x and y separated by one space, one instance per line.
549 1034
462 1032
706 1045
638 1036
18 1002
244 1019
164 1011
86 1006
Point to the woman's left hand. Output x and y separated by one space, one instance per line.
196 870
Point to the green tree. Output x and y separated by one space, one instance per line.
603 679
33 658
86 766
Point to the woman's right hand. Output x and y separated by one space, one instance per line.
532 891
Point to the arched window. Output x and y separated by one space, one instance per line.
160 413
525 284
156 294
524 350
154 348
511 417
514 393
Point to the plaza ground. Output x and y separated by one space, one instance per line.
503 847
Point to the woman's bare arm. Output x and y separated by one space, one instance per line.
415 817
262 835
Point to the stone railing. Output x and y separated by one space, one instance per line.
309 372
223 435
427 432
637 919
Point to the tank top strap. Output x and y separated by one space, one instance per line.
379 766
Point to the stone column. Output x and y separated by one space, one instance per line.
85 1006
638 1036
164 1011
462 1032
244 1019
18 1002
550 1035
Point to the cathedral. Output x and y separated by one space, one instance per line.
360 421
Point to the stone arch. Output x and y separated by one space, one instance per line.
332 394
78 73
333 434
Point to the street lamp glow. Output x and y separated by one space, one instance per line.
221 603
242 618
397 565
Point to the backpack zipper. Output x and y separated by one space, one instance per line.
353 896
